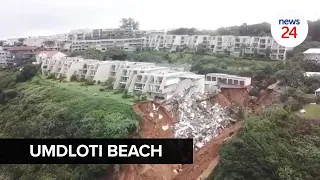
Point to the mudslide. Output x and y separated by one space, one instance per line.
156 124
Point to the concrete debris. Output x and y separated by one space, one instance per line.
303 111
175 171
198 119
95 94
160 116
166 127
151 114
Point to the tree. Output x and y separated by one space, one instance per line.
184 31
116 54
49 43
255 50
243 47
27 73
268 52
129 23
73 78
21 40
109 83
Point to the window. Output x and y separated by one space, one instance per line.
242 83
229 81
214 79
208 78
236 82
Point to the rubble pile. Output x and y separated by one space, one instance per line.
198 119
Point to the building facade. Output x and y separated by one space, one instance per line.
312 54
5 58
140 77
131 40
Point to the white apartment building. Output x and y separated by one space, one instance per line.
104 44
127 70
131 40
147 78
49 55
5 58
312 54
166 83
310 74
216 78
217 44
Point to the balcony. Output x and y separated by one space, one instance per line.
262 41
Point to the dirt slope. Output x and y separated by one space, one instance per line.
266 99
206 155
238 95
151 127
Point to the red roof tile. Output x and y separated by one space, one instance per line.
49 53
23 48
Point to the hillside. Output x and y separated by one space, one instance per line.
272 146
39 109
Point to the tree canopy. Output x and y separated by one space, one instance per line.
35 108
272 146
260 29
129 23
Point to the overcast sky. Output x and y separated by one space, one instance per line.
21 18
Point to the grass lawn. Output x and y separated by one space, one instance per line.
313 111
75 86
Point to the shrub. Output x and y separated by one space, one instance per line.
82 79
73 78
51 76
254 92
102 89
143 97
125 94
98 82
89 82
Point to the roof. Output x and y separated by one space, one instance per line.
231 86
312 51
192 76
318 90
227 75
308 74
23 48
50 53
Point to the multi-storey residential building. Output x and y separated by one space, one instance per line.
105 44
49 55
236 45
154 81
22 53
5 58
127 70
107 69
312 54
131 40
166 83
228 79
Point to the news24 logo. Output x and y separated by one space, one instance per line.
289 29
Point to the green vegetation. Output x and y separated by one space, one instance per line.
261 29
42 109
272 146
312 111
89 92
205 65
